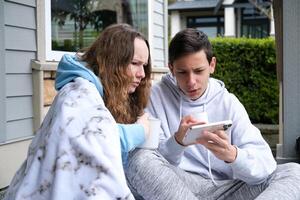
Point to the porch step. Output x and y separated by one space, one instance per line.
270 133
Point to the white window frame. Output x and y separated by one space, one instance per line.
52 55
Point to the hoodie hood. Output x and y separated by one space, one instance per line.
71 67
214 88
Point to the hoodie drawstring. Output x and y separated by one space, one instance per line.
203 110
209 169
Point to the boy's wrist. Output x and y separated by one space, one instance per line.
178 140
234 154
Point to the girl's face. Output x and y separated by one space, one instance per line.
139 61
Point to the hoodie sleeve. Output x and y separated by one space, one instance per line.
159 106
131 136
171 150
254 162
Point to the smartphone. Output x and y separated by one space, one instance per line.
195 132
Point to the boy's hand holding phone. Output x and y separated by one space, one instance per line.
212 136
196 131
185 123
218 143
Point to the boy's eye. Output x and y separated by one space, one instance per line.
198 71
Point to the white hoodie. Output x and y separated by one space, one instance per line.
254 160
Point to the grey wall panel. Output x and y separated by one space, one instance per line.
26 2
291 74
159 31
2 76
19 108
158 43
18 85
20 46
19 15
158 19
20 39
159 54
158 63
158 7
19 129
19 61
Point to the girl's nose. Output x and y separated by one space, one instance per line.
141 72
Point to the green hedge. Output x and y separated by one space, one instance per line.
248 69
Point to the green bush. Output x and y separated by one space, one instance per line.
248 69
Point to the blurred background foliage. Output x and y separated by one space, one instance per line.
248 69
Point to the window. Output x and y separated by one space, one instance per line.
76 23
212 26
254 24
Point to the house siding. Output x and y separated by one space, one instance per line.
19 48
291 82
2 75
31 3
160 36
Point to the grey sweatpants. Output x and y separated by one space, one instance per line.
151 177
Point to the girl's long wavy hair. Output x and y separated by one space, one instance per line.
109 57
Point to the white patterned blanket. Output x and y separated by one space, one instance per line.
76 154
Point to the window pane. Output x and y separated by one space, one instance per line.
209 31
205 19
212 26
76 23
254 24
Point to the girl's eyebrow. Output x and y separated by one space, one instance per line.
139 61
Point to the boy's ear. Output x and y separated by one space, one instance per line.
171 68
212 65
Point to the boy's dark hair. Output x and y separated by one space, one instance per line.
189 41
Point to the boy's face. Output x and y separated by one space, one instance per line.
192 72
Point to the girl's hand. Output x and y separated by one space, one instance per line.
144 121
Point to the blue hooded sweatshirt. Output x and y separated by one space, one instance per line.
69 68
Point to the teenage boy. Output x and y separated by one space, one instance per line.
233 164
